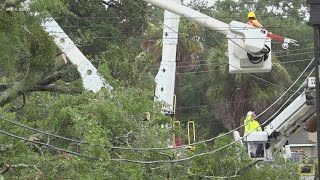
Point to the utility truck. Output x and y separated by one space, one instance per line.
249 51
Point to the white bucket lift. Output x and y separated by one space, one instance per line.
249 49
253 141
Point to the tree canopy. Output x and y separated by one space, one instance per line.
51 128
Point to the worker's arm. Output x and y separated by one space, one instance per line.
258 126
246 124
257 24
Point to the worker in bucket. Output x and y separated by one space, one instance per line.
252 20
251 125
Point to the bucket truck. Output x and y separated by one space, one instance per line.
249 51
289 121
91 79
249 48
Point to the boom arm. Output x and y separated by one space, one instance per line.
165 79
249 48
91 79
191 14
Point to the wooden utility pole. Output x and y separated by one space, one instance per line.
315 22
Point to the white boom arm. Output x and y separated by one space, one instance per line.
249 48
165 78
91 79
288 122
291 119
192 14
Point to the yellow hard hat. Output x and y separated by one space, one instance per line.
251 15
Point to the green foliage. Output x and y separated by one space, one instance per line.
124 43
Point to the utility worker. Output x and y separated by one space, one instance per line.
252 20
251 124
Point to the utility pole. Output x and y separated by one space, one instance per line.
315 22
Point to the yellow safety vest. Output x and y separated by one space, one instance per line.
251 125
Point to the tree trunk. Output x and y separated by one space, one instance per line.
13 92
239 107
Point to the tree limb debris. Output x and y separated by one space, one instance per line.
7 167
11 91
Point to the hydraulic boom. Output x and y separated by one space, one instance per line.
249 48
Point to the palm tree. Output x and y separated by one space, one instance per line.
244 91
188 49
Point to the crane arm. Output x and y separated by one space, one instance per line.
91 79
191 14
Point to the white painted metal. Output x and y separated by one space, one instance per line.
291 117
259 136
191 14
250 38
165 79
91 79
311 81
243 38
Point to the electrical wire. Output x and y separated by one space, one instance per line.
3 132
211 139
289 88
298 49
297 54
49 134
214 65
219 64
261 79
48 145
218 136
267 121
157 161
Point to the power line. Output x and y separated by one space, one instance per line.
219 64
48 145
214 104
211 139
288 50
151 162
49 134
267 121
261 79
115 17
297 54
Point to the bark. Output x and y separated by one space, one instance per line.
238 108
7 167
57 89
9 92
54 77
12 93
3 87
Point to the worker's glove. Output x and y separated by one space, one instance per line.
288 41
291 41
